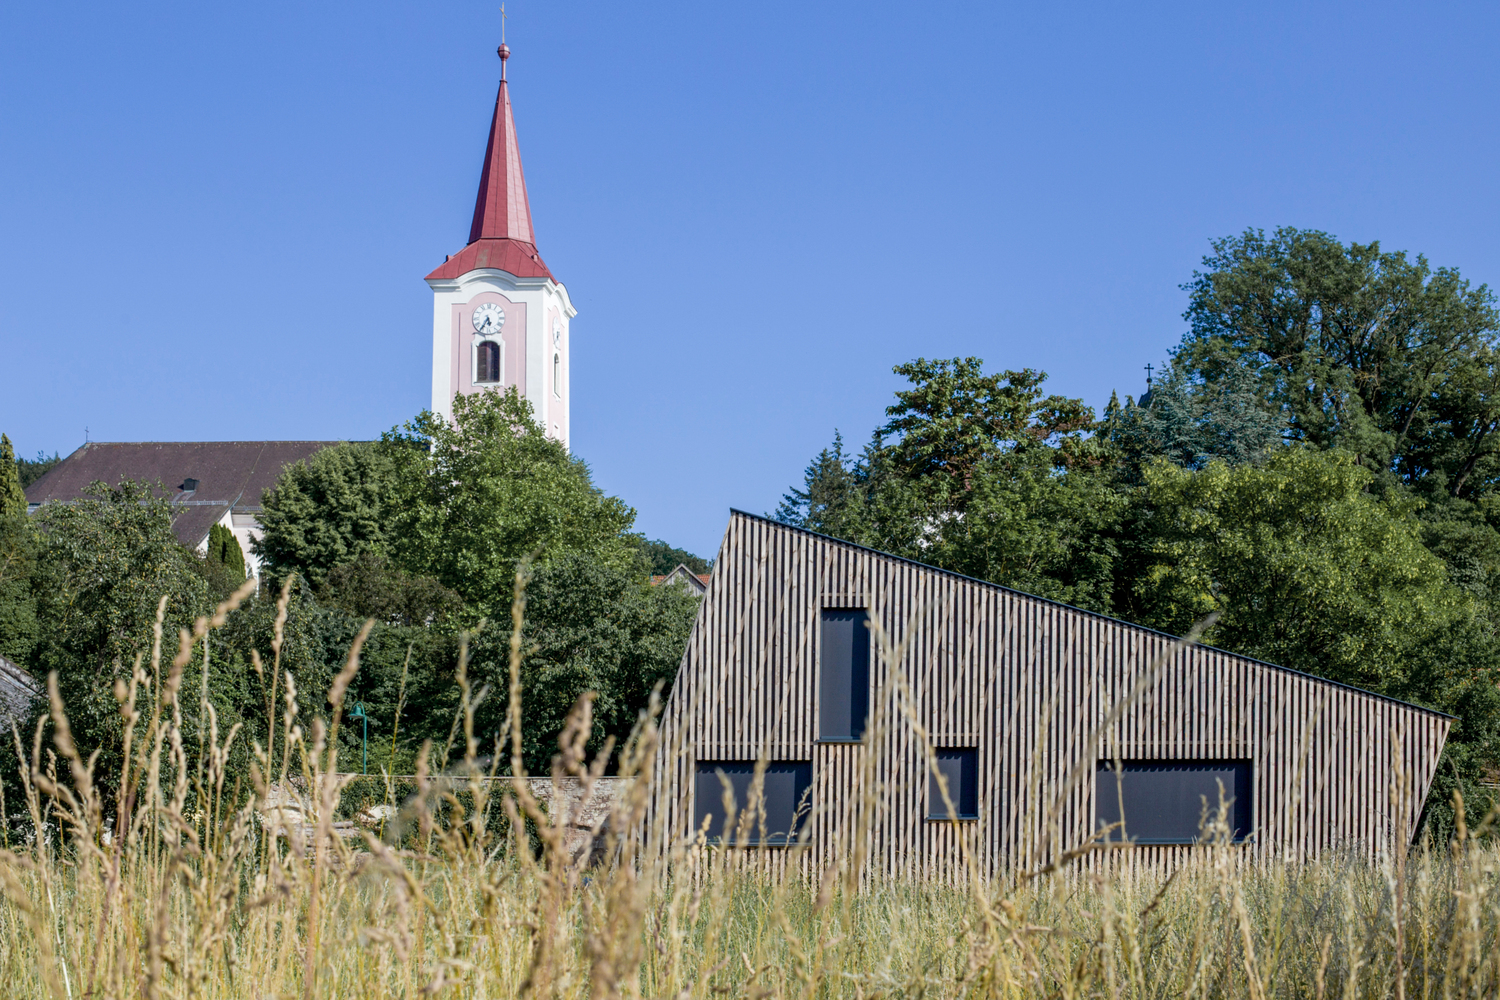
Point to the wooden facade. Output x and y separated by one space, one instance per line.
1032 686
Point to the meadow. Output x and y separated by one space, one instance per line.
183 880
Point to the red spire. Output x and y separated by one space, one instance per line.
501 234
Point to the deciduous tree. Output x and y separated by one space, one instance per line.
474 495
327 510
1361 349
1306 568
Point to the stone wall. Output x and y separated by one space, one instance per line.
288 812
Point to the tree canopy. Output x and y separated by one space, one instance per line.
1306 568
984 475
1359 348
456 503
1317 463
664 558
471 497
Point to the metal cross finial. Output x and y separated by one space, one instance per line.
1148 375
504 50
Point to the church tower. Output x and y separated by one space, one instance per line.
499 317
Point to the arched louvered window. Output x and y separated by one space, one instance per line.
487 362
557 374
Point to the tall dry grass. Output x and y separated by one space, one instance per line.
182 888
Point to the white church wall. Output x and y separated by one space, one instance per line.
546 309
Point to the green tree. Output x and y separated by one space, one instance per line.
832 494
106 561
590 626
1027 525
473 496
12 493
18 547
1306 567
955 417
1360 349
373 587
1191 421
986 476
327 510
454 502
405 678
224 550
663 558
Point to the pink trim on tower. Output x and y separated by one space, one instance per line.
513 336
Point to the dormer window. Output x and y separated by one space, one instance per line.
487 362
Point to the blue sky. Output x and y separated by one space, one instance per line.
215 218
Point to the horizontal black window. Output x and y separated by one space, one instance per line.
1164 801
843 675
960 769
785 790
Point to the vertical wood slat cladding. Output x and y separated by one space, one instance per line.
1025 681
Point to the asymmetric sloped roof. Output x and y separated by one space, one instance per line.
735 512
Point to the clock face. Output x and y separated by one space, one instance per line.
488 319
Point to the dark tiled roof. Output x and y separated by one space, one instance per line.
229 474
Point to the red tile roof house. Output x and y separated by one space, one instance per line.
205 482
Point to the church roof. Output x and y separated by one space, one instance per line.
500 235
199 479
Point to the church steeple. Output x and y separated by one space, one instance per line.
500 235
501 211
499 318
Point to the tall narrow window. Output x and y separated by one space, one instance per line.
960 770
784 791
843 675
1167 801
487 362
557 374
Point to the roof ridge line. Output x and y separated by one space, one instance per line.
766 519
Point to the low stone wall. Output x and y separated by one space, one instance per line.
288 811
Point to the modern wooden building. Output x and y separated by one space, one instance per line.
1026 706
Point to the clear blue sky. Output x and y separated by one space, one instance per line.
215 218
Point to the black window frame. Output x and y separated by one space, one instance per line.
964 792
708 795
1107 798
844 682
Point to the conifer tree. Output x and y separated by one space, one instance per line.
12 496
18 624
224 549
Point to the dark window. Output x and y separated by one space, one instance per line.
843 676
785 791
960 768
1164 800
489 362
